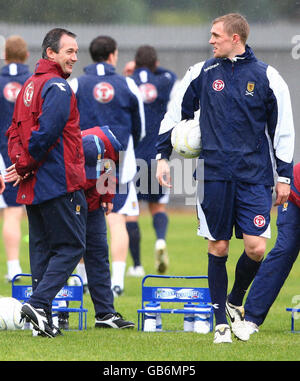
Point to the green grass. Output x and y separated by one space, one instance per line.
188 256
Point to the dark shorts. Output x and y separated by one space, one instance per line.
125 200
227 205
9 196
148 188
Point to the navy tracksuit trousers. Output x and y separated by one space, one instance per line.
276 267
96 260
57 241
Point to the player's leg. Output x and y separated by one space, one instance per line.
247 267
11 231
215 213
124 205
81 271
134 234
12 215
160 224
119 243
253 204
276 267
218 284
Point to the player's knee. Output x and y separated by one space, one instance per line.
256 252
218 248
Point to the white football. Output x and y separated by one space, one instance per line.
186 138
10 314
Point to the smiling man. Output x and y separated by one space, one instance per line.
247 133
45 147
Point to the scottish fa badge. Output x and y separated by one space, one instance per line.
285 206
78 209
250 88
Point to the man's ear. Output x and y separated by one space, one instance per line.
50 54
236 38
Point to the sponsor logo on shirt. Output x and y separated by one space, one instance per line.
218 85
211 67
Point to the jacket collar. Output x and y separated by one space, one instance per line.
247 56
44 66
100 68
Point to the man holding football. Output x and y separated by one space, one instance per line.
245 109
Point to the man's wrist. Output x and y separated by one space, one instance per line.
161 156
284 180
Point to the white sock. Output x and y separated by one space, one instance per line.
80 269
13 268
118 273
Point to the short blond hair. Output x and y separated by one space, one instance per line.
235 23
16 49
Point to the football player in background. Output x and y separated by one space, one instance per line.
244 107
107 98
12 77
155 84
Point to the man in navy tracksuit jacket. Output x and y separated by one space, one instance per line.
107 98
12 77
246 125
155 84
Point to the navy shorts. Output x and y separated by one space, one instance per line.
9 196
125 200
149 189
227 205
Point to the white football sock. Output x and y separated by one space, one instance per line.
80 269
13 268
118 273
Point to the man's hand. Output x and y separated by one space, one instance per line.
163 173
12 175
282 193
107 206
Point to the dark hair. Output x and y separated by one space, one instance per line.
146 56
52 40
101 47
